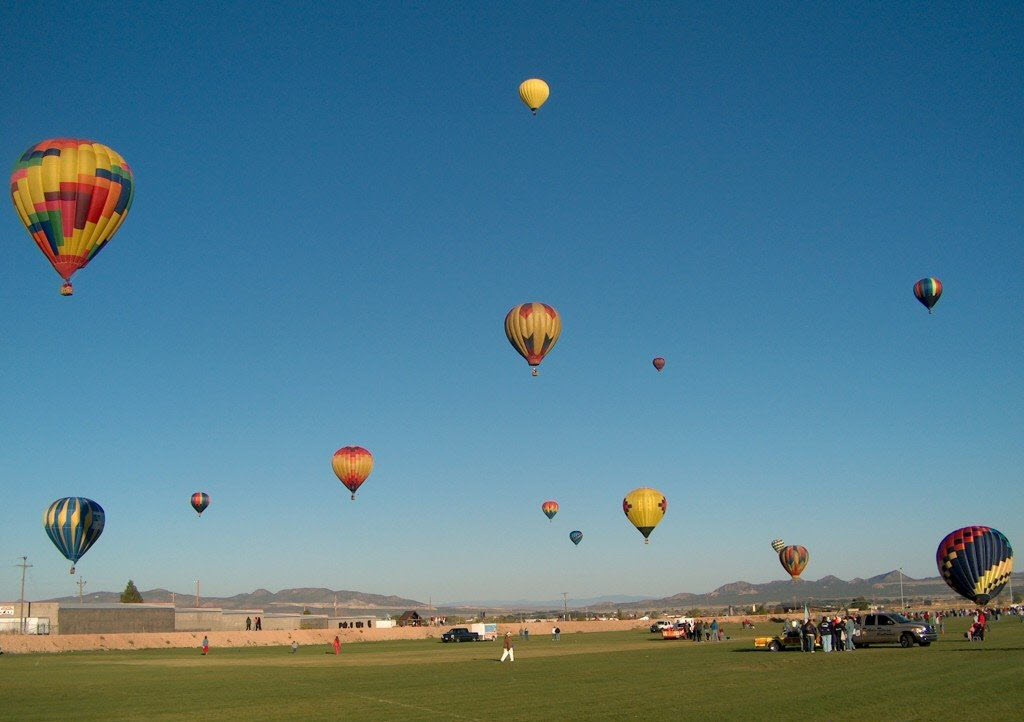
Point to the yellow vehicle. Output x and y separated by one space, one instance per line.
789 638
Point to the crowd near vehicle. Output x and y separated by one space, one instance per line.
892 628
460 634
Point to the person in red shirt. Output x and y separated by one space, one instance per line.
509 651
337 645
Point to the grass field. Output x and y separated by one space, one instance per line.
617 675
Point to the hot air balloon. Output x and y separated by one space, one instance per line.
976 562
793 559
550 508
352 464
777 545
576 537
72 195
534 93
200 501
533 330
659 363
928 291
73 524
645 508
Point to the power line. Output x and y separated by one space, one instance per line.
24 565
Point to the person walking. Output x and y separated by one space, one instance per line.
259 624
851 630
248 623
206 645
509 651
295 646
337 645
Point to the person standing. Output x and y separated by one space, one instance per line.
714 629
825 631
295 646
206 645
259 624
851 630
509 651
808 631
248 623
337 645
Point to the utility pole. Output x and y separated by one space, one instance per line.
81 583
24 565
335 605
197 593
565 606
902 605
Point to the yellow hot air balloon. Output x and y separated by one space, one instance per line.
533 330
534 92
645 508
72 195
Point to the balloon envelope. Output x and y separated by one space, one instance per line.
645 509
777 545
200 501
550 508
352 464
534 93
659 363
576 537
72 196
976 562
73 524
533 330
928 291
793 559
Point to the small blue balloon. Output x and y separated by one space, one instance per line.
576 536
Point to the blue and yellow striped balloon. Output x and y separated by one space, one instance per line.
73 524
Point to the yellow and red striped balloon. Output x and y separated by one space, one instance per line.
533 330
352 464
72 196
550 508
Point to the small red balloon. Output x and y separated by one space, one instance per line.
659 363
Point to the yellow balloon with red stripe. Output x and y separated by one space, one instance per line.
645 508
534 93
533 330
352 465
72 195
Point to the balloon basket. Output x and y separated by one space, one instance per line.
353 496
534 372
647 541
66 289
72 570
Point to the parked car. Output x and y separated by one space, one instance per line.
460 634
789 638
893 628
659 626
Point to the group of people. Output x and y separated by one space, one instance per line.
700 630
831 633
249 626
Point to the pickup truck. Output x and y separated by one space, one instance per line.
893 628
460 634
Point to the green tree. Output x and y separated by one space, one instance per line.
130 595
860 603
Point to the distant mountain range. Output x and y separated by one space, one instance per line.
319 600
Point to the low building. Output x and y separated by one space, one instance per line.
114 618
410 619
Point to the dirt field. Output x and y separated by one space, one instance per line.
12 644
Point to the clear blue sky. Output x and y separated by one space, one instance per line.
336 206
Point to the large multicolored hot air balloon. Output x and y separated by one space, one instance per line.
793 559
928 291
533 330
73 524
576 537
976 562
534 93
352 464
550 508
777 545
645 508
72 195
200 501
659 363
